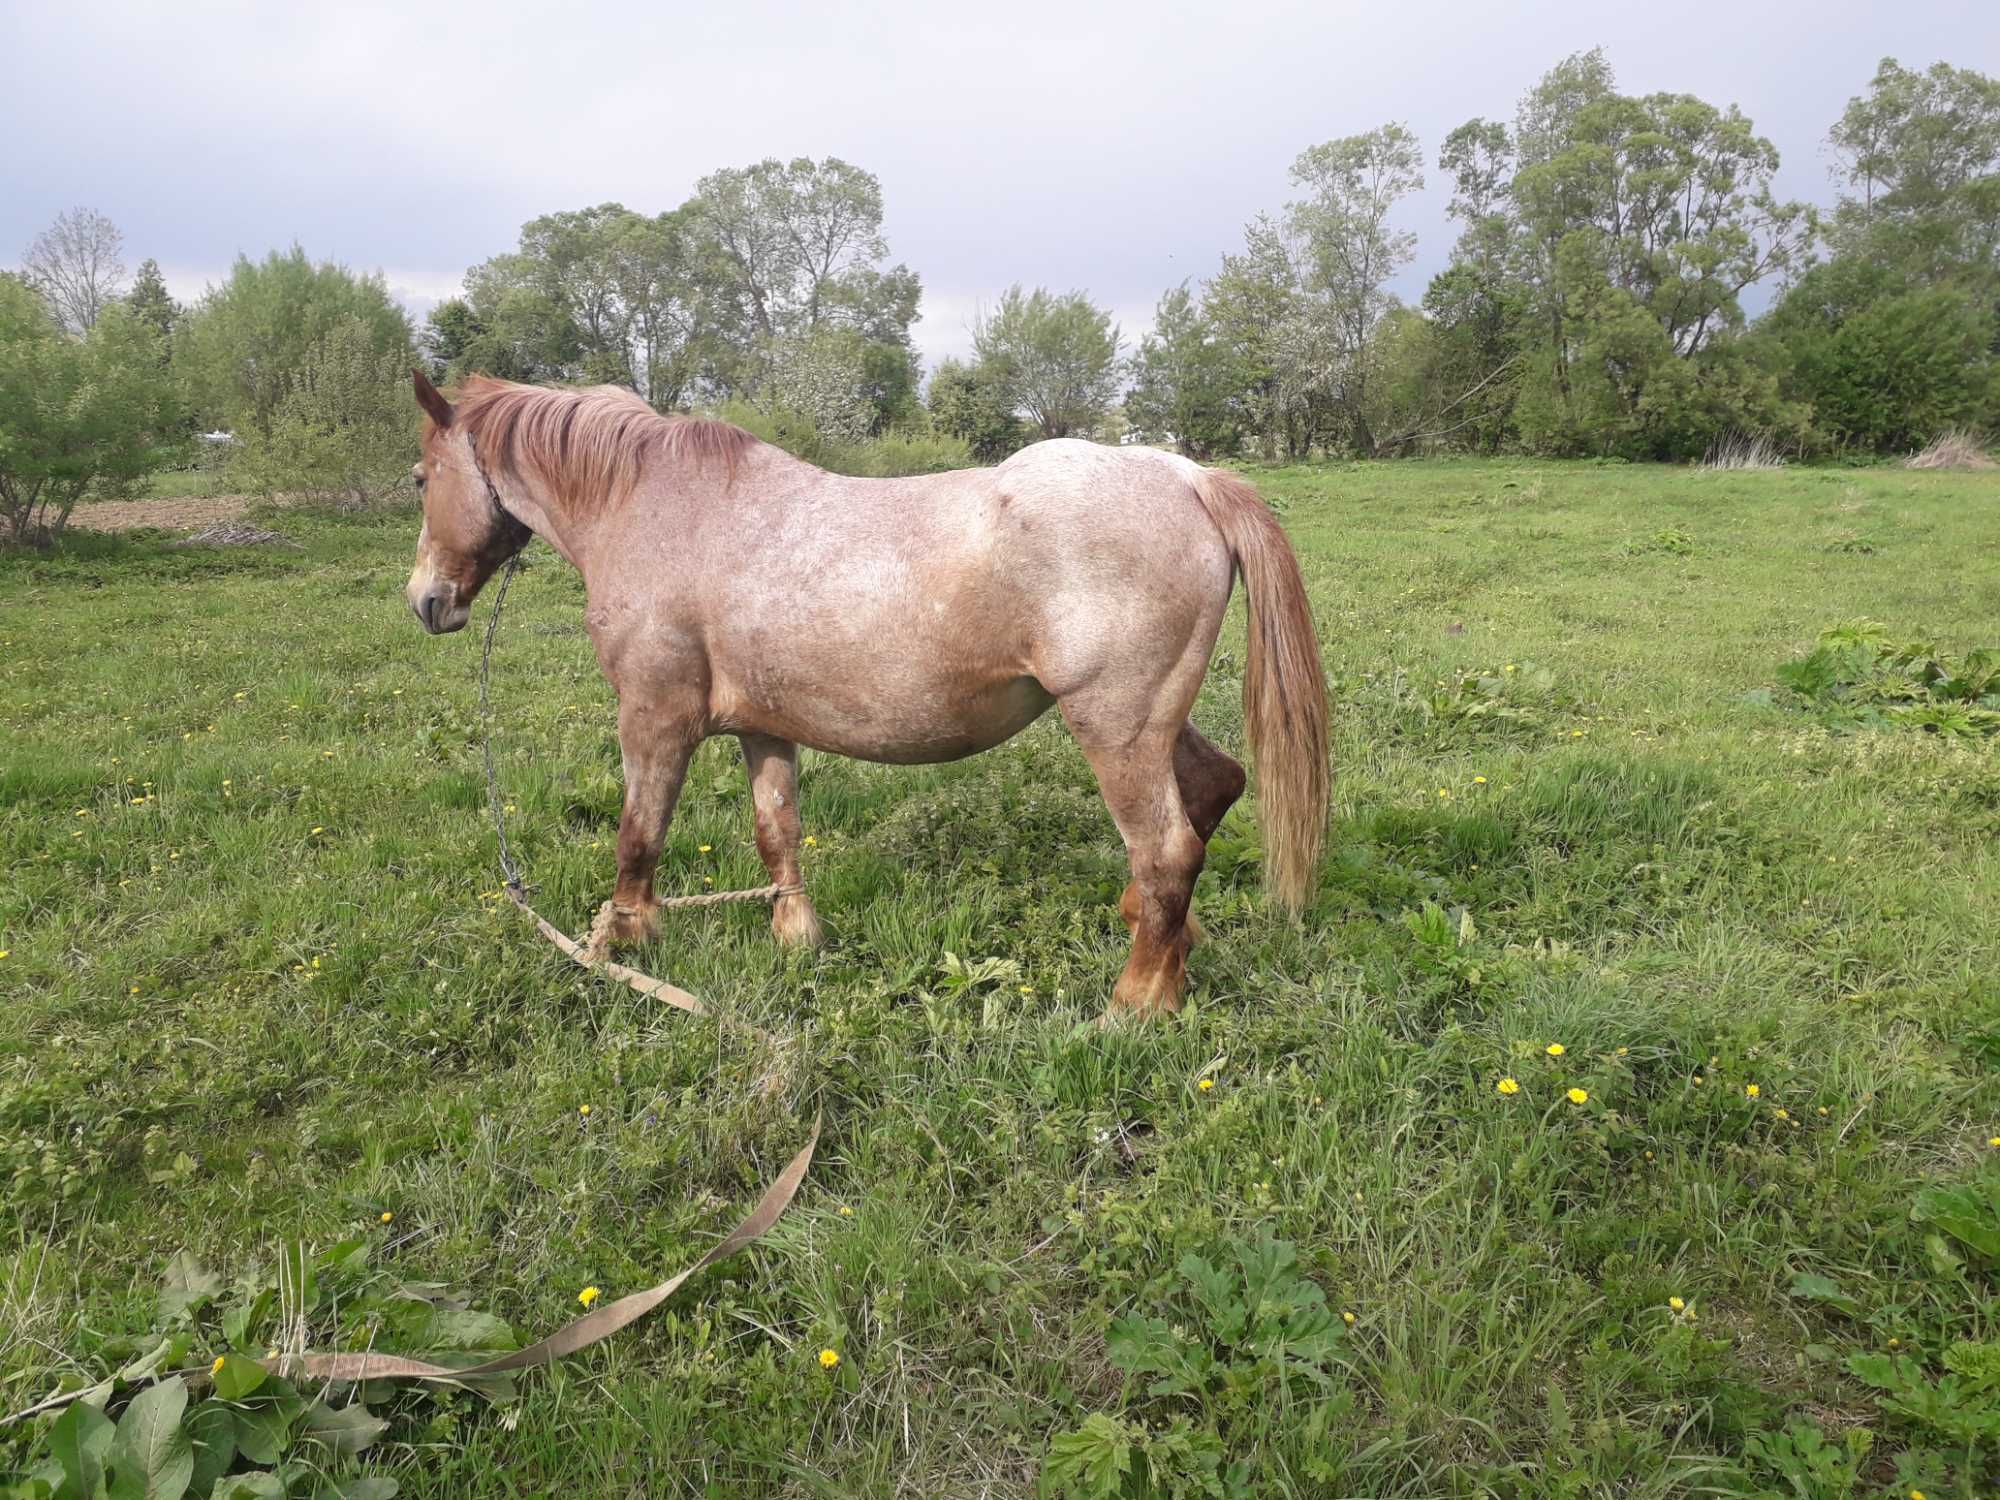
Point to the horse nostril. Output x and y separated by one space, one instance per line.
427 610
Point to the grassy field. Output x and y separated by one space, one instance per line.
261 989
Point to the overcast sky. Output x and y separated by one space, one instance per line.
1113 147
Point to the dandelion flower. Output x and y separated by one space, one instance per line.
1823 1111
588 1295
1479 781
1206 1084
1347 1318
1623 1050
828 1358
1751 1090
216 1368
1697 1078
846 1212
387 1216
1555 1049
1991 1140
584 1110
704 848
811 842
1507 1086
1579 1096
1677 1304
5 951
1782 1114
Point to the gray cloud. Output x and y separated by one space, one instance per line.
1114 147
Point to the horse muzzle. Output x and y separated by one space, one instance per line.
436 607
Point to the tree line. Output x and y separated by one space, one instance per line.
1593 305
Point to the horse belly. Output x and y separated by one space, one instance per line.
919 724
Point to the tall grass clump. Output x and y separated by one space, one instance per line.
1955 448
1742 450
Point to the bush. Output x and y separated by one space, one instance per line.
76 415
344 428
913 450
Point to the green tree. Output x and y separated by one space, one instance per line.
151 303
1920 157
1057 357
1351 185
76 414
970 403
1183 387
1256 304
345 427
247 338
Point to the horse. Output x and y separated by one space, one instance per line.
734 589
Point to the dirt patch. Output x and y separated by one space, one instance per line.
167 515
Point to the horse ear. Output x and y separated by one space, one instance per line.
431 399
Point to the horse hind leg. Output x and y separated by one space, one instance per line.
1210 780
1137 780
773 768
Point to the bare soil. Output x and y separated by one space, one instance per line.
167 515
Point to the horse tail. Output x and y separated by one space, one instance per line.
1284 688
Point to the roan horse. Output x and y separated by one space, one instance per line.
734 589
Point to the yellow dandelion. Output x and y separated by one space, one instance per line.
387 1216
1206 1084
1697 1078
1751 1090
846 1212
1823 1112
1916 1495
1991 1140
1579 1096
811 842
1347 1318
1677 1304
704 848
5 951
319 830
1027 989
1507 1086
1781 1114
584 1110
1555 1049
588 1295
828 1358
216 1368
1622 1051
1479 781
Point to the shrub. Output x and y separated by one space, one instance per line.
344 428
76 415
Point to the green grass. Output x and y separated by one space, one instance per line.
259 987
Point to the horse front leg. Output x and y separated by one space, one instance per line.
773 768
656 745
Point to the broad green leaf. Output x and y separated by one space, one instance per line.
1824 1289
243 1319
212 1428
344 1429
261 1432
236 1377
151 1456
185 1285
429 1327
255 1486
80 1440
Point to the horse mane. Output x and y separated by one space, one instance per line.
588 447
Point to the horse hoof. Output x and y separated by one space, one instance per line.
795 924
628 927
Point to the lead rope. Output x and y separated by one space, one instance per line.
593 952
